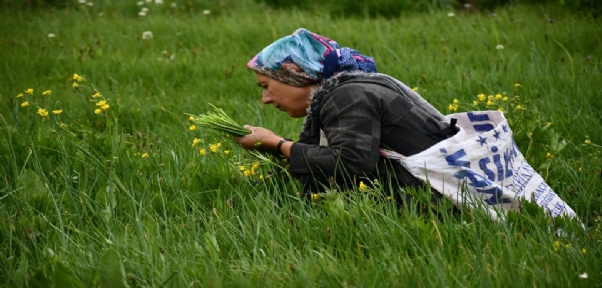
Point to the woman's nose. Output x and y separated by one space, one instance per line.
265 97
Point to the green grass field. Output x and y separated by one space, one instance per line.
125 197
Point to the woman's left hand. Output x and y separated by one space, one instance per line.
259 139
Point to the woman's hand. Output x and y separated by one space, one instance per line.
259 139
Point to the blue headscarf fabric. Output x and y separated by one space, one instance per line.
306 58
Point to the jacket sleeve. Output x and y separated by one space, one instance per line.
350 118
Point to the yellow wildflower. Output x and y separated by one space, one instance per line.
213 148
190 118
489 103
518 106
57 112
579 169
498 96
583 251
202 152
549 124
255 165
77 78
101 103
363 186
96 95
195 141
475 103
247 173
501 110
481 97
219 144
549 155
145 155
456 101
20 95
25 104
226 152
587 141
505 98
192 127
75 85
314 197
389 198
260 177
47 92
29 91
43 112
556 245
517 85
242 168
97 111
415 89
104 107
452 107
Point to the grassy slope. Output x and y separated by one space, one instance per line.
167 215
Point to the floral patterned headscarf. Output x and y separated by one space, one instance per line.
306 58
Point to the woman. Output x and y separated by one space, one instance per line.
350 111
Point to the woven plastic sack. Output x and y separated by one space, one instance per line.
482 168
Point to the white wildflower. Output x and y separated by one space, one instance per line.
51 35
158 2
206 12
140 3
144 9
149 1
450 14
82 1
583 276
499 47
174 4
142 14
147 35
90 4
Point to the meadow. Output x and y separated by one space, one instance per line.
105 183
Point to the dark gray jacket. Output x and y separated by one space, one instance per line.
360 113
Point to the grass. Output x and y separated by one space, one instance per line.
122 198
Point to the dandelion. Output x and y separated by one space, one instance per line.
29 91
518 106
202 152
206 12
98 111
20 95
415 89
77 78
499 47
57 112
490 103
517 85
25 104
43 112
587 141
213 148
226 152
144 156
147 35
481 97
96 95
363 186
195 141
556 245
315 197
192 127
51 35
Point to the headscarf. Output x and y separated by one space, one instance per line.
306 58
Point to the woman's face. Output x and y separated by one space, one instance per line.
290 99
